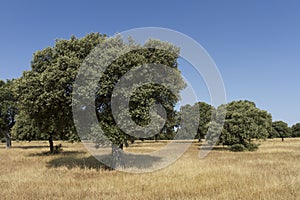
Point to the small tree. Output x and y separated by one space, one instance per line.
201 118
205 111
244 122
189 127
295 130
281 129
8 110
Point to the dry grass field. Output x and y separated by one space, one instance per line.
272 172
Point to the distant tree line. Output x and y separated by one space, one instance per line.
243 123
37 106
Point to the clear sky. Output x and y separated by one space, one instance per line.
255 44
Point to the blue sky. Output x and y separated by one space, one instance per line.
255 44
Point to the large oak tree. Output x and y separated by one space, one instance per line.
44 92
135 64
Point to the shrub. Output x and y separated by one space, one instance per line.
251 147
237 147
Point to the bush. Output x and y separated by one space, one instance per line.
237 147
251 147
241 147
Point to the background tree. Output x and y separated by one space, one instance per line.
201 118
205 111
187 127
25 128
169 131
295 130
244 122
8 110
216 125
44 93
281 129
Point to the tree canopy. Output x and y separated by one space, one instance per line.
44 92
244 122
281 129
200 119
295 130
137 84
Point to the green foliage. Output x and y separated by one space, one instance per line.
8 110
244 122
295 130
188 128
281 129
216 125
144 97
43 97
251 146
25 128
237 148
199 115
44 93
241 147
205 111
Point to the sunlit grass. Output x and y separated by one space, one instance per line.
272 172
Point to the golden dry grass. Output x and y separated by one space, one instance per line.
272 172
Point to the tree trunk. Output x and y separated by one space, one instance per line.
282 139
117 156
8 140
199 137
51 143
156 138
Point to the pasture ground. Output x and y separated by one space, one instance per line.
272 172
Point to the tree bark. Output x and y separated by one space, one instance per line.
51 143
8 140
117 156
